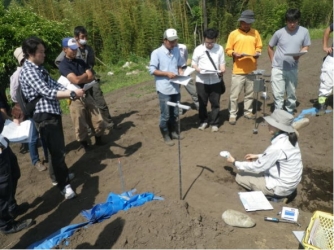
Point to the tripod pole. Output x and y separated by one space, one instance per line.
179 149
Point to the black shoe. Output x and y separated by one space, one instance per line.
322 109
84 145
19 209
16 226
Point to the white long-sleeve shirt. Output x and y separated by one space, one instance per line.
281 163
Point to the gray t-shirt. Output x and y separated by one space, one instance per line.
287 42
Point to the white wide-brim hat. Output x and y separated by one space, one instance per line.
282 120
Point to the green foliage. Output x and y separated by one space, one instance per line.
18 23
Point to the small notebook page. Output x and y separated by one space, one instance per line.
254 200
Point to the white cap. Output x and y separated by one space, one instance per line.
170 35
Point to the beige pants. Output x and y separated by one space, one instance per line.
255 182
240 82
84 114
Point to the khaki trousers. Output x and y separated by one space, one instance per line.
84 113
240 82
255 182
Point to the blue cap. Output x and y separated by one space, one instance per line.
69 42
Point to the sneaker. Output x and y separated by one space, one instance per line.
232 120
203 126
70 177
40 167
17 226
68 192
214 129
84 145
250 116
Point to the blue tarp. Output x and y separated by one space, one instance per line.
98 213
310 111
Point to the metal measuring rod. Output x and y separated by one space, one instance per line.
258 86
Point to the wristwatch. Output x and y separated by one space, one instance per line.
73 95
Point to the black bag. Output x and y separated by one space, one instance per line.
27 108
222 83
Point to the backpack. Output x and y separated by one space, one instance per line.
27 108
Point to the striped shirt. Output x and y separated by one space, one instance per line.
35 82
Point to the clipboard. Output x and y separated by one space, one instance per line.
296 54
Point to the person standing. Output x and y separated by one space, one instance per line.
244 45
18 117
292 38
37 83
326 77
209 56
83 111
190 87
165 64
86 53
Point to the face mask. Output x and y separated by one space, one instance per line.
82 41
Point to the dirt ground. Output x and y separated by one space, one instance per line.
208 186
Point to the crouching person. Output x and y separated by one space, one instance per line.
277 171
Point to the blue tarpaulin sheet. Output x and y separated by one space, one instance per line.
98 213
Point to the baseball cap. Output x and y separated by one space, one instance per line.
18 53
69 42
170 35
247 16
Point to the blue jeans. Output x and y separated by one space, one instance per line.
33 146
168 114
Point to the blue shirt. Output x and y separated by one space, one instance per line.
168 61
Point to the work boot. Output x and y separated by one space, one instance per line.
174 134
167 139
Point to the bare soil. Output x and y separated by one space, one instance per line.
208 186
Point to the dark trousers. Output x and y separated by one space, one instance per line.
9 175
98 97
52 133
210 93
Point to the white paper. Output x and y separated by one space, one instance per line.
188 71
299 235
89 85
18 133
183 80
254 200
289 213
3 142
67 84
209 71
296 54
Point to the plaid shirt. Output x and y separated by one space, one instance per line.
36 81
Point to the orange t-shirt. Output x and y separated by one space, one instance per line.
248 43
